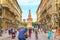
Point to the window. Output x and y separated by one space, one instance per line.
49 7
58 6
43 12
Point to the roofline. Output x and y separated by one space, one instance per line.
39 6
19 6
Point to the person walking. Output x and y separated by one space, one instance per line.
50 34
30 31
10 31
36 33
54 33
58 33
13 34
21 33
0 31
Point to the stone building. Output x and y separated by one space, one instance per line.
58 9
29 20
10 14
48 13
41 11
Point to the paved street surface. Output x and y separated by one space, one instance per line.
41 36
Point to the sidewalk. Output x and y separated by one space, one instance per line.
4 35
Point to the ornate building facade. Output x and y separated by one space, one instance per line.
29 20
48 13
10 14
41 11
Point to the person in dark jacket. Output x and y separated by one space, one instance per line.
30 31
10 31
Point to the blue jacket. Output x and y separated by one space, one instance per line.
21 33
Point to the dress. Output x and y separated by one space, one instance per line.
54 33
50 34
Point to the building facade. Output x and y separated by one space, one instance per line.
41 11
58 9
10 14
48 13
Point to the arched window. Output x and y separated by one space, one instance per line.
56 16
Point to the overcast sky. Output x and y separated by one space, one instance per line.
29 4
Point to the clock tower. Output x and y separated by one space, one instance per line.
29 20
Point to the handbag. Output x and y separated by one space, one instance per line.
26 34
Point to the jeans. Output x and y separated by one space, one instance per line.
21 38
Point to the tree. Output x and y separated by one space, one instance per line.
24 24
33 23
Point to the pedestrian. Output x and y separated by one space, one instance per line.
13 34
33 29
54 33
0 31
36 32
59 30
10 31
58 33
41 29
21 33
30 31
50 34
44 29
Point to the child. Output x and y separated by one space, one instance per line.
49 34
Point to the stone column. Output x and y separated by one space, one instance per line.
52 20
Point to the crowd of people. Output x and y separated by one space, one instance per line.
54 33
24 33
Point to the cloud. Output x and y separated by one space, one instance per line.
28 2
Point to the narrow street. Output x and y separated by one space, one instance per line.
41 36
25 16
